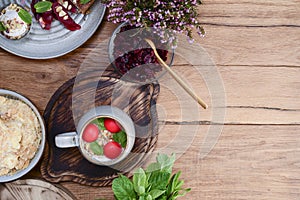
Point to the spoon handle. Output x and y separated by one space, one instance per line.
177 78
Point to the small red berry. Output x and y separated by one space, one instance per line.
112 150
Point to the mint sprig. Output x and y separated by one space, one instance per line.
121 138
156 182
96 148
84 1
100 123
25 16
123 188
42 6
2 27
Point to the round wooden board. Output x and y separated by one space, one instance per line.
31 189
61 116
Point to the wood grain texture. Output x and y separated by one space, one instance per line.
254 95
250 13
255 46
31 189
252 32
248 162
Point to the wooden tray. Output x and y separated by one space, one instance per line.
137 100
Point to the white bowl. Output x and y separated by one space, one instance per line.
38 154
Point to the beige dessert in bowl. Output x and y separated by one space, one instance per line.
22 135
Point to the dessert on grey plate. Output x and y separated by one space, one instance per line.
13 23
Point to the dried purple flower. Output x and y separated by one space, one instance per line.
166 17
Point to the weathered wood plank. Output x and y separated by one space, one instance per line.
244 46
250 13
255 45
255 95
248 162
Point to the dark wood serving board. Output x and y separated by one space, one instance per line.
70 102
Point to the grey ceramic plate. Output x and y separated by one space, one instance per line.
43 44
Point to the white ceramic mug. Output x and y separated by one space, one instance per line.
74 139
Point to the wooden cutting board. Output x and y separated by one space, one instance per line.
32 189
137 100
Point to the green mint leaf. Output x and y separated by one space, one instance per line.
25 16
153 167
100 123
183 192
175 189
42 6
96 148
166 162
2 27
149 197
156 182
84 1
140 190
121 138
173 183
156 193
179 185
139 181
142 198
159 180
123 188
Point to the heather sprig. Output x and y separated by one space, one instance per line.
167 18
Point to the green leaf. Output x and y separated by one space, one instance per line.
179 185
42 6
140 190
149 197
123 188
25 16
175 189
96 148
100 123
2 27
84 1
164 197
159 180
139 181
166 162
183 192
172 184
174 180
156 183
121 138
142 198
156 193
153 167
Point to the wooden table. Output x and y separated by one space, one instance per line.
255 46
